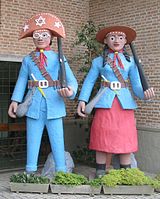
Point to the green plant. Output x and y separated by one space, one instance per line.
112 179
89 49
157 182
86 37
134 177
84 155
28 178
95 182
69 179
128 177
158 177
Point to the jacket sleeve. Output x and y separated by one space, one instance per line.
21 83
71 80
135 80
90 80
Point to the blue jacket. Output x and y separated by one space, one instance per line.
55 103
130 72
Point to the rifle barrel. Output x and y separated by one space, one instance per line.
140 69
62 65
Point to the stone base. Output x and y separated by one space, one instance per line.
128 190
72 189
29 187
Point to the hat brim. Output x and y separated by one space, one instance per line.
43 21
130 33
30 33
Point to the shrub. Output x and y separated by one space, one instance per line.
128 177
95 182
28 178
69 179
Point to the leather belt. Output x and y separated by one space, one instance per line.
43 83
114 85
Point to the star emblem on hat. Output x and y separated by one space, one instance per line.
57 24
40 21
26 27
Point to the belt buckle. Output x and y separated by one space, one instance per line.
43 84
115 85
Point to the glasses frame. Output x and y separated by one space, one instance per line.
41 35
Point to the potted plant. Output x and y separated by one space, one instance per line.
23 182
73 184
157 182
128 182
86 48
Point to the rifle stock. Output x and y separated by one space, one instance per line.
140 69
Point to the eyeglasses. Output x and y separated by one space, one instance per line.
114 37
42 35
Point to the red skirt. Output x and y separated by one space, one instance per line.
114 130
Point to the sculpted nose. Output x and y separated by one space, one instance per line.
116 39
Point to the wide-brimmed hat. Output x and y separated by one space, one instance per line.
129 32
43 21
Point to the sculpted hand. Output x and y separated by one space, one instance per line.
66 92
149 94
12 109
81 109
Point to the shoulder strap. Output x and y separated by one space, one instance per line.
115 70
44 72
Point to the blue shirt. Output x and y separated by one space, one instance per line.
54 102
130 72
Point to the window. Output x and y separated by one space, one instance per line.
13 131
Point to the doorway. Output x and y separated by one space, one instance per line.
13 131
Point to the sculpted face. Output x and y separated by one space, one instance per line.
42 38
115 40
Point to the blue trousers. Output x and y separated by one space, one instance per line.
35 129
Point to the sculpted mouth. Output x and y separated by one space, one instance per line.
40 42
116 45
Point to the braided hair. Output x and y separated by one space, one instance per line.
106 52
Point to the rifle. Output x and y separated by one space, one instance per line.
62 74
140 68
144 83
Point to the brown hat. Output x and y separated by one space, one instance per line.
43 21
129 32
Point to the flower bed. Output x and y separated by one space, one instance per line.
24 182
120 182
73 184
128 182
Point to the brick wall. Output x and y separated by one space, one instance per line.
14 13
144 17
